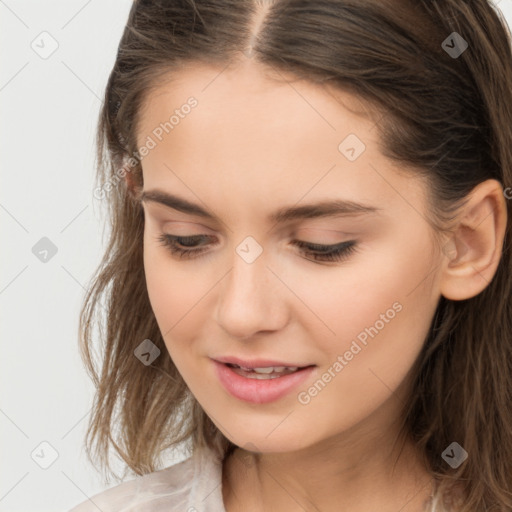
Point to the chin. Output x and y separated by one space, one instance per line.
255 440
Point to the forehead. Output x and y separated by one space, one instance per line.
260 132
248 94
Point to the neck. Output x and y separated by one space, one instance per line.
370 467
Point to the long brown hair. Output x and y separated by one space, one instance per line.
446 116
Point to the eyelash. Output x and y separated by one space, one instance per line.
325 253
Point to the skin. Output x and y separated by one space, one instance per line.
253 145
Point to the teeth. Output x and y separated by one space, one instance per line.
254 375
268 369
267 372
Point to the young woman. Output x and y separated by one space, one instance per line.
308 280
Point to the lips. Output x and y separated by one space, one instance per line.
260 389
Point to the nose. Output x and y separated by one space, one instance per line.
251 300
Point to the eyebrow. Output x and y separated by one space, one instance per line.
327 208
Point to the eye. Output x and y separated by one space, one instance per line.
336 252
172 241
191 247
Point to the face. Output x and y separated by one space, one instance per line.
236 280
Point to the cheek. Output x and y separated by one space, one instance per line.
178 292
170 290
380 317
375 314
368 290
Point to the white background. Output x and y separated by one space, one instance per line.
49 110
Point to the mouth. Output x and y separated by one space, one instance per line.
265 372
261 384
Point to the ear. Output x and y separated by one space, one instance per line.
132 188
475 248
130 185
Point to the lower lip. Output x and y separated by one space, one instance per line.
260 391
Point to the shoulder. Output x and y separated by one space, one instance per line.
182 486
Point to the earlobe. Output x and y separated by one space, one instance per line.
472 254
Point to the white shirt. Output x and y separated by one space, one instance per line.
193 485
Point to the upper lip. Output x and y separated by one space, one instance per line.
258 363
